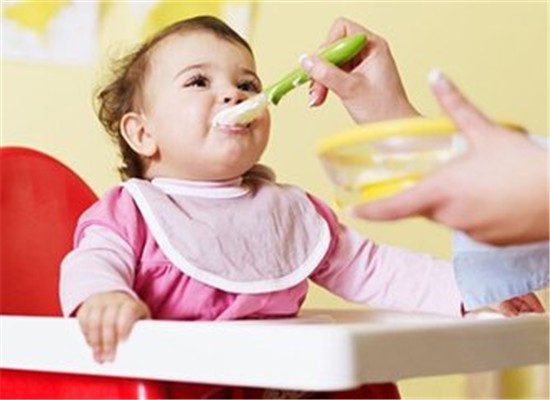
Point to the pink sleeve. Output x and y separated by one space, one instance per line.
117 211
108 239
383 276
102 262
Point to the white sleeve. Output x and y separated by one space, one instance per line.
102 262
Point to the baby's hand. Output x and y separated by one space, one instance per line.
526 303
107 318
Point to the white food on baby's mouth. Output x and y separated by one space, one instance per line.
242 113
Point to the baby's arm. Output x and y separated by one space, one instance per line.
96 286
383 276
388 277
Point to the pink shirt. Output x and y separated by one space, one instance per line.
115 249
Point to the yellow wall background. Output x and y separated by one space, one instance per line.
497 52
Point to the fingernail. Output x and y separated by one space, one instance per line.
306 62
98 357
437 77
434 75
312 98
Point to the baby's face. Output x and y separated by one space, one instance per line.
193 77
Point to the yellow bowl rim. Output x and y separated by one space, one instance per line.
415 126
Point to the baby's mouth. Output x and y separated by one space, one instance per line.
233 128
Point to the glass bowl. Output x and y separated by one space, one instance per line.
378 160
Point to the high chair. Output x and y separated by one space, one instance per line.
40 201
45 356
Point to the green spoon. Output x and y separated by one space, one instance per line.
338 53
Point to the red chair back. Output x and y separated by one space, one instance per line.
40 202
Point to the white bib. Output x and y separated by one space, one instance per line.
255 238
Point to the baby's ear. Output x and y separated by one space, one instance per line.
134 130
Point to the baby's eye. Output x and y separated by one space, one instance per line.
250 86
198 80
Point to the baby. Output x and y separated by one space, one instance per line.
199 230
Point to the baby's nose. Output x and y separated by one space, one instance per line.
234 97
232 100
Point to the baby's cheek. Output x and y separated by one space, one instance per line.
264 127
266 119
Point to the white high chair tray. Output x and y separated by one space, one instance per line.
320 350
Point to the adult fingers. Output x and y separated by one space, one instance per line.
343 27
328 75
317 91
471 121
317 94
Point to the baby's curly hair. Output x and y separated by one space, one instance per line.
122 94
